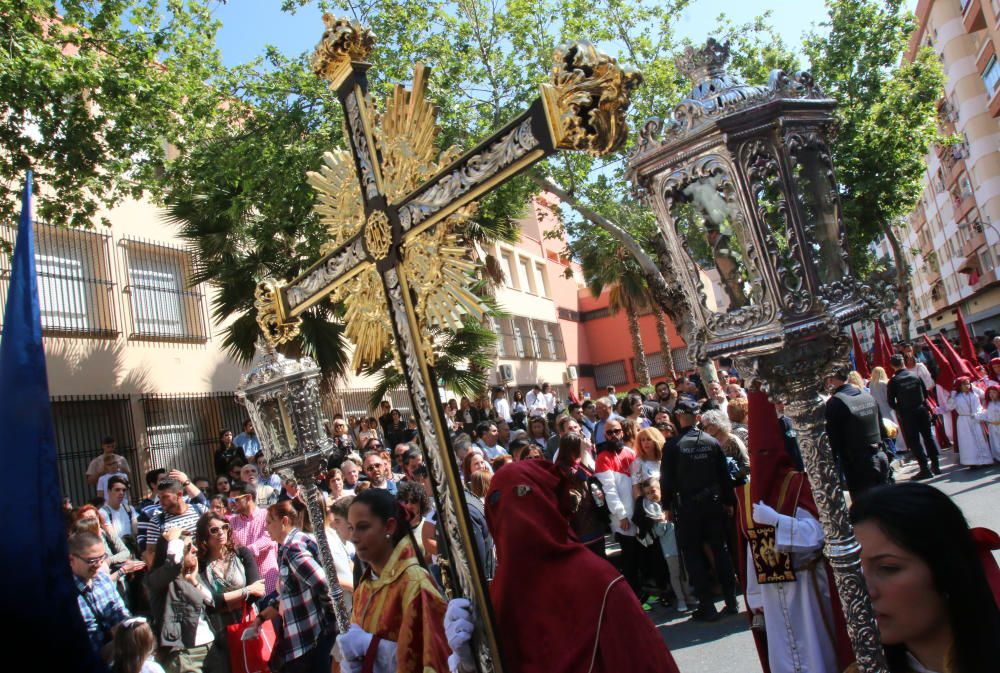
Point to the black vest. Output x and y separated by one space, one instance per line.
910 391
697 463
863 427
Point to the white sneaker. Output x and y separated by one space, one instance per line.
681 606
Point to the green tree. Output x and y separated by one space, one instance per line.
887 122
91 94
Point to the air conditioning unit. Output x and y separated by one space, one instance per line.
571 373
978 226
507 373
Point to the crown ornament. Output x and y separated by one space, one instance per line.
707 62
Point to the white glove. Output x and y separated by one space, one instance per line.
765 515
352 646
458 627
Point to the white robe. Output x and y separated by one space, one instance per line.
797 638
991 416
973 449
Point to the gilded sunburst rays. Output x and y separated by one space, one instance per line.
436 263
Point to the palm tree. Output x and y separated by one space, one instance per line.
661 332
607 266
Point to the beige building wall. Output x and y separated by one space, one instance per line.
952 240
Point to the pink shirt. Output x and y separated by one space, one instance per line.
251 532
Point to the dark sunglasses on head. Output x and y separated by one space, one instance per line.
215 530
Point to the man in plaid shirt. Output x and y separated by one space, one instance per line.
303 600
100 604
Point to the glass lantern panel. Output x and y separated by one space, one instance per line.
815 192
704 221
277 438
770 201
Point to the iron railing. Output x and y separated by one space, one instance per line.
81 422
75 286
164 305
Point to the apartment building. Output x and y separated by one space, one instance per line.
952 238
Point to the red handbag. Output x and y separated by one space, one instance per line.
250 655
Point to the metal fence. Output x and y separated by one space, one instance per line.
81 422
353 403
182 431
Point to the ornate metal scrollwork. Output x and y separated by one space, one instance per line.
586 99
276 328
761 167
739 319
343 41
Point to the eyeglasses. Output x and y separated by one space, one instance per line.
93 561
215 530
614 431
374 466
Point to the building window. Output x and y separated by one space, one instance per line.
74 280
986 260
509 344
163 306
991 76
523 338
610 374
525 276
508 270
541 280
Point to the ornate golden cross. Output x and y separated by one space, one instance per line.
392 205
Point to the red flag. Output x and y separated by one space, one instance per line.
946 375
860 361
958 365
882 350
968 349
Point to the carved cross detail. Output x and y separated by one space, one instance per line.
391 205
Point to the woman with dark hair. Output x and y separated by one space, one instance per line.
398 611
226 452
396 430
220 505
635 410
589 519
934 606
518 410
231 574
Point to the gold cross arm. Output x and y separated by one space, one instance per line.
393 206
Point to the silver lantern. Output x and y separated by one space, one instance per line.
282 396
742 184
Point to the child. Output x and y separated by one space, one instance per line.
133 648
991 416
652 526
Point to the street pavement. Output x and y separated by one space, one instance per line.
726 646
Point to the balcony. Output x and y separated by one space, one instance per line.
976 240
972 15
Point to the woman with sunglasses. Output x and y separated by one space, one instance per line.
231 574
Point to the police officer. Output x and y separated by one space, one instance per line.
697 486
854 426
907 395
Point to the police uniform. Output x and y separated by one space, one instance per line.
697 486
854 426
907 395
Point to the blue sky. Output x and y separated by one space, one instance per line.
247 25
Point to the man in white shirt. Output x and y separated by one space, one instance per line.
550 399
535 401
117 510
502 406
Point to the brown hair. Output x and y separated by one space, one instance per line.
479 484
202 534
133 644
658 441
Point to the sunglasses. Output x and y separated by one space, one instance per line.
614 432
376 466
93 561
215 530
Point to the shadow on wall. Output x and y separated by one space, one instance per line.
226 375
79 367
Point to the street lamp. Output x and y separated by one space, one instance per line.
282 397
742 184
